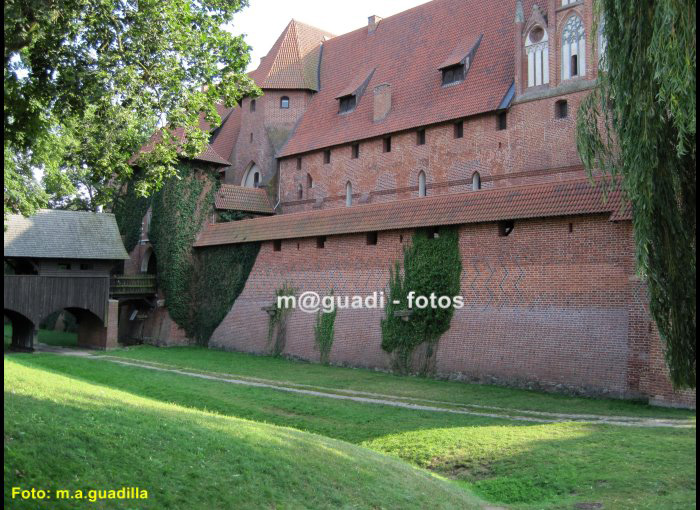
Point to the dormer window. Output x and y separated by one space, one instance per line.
347 104
453 74
455 67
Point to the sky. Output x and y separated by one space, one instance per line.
264 20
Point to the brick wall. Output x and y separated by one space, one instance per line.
270 126
555 305
535 147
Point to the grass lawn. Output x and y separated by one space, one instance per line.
518 465
63 433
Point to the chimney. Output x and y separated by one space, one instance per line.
373 22
382 102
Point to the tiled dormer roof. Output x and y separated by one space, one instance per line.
509 203
293 61
407 50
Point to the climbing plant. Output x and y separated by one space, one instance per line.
201 285
278 315
220 273
324 331
431 265
129 208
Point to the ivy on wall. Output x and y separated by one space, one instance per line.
324 332
129 209
200 286
431 265
278 315
220 273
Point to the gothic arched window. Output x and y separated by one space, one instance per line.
573 49
421 184
348 194
537 50
476 181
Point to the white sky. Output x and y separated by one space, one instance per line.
263 20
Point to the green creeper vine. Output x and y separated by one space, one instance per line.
324 331
129 209
200 286
430 265
278 315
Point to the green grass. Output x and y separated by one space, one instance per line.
63 433
279 369
59 338
517 464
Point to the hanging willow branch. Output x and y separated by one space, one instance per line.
639 123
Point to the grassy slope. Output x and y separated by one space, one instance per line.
523 465
62 433
379 382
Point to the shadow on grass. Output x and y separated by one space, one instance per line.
514 463
68 436
350 421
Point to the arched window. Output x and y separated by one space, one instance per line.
348 194
421 184
251 178
573 49
309 181
284 102
252 105
476 181
537 50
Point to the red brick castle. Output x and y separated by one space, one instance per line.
455 112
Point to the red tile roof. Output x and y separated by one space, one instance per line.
239 198
224 139
508 203
293 61
407 50
210 152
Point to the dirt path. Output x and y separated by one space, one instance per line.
382 399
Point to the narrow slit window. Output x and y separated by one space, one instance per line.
459 129
420 137
561 109
421 184
309 181
348 194
501 121
252 105
299 163
386 144
355 151
327 156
